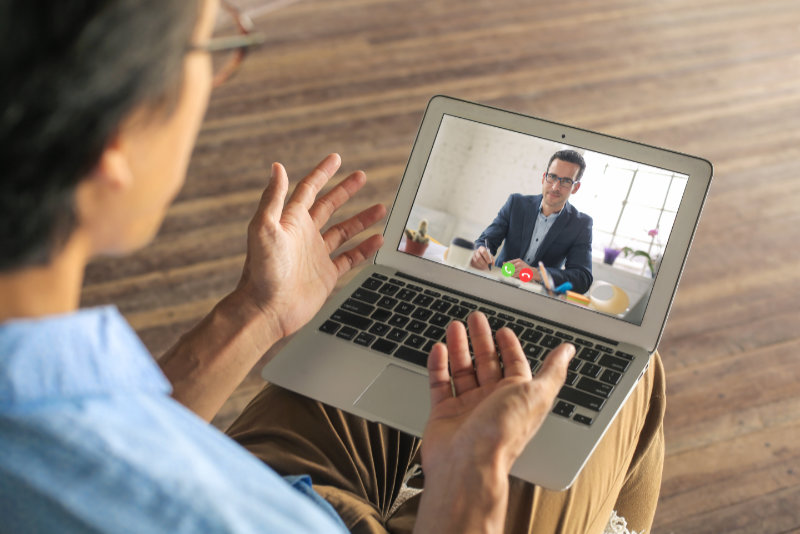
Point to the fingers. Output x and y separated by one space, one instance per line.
323 208
514 361
270 206
461 366
554 369
487 364
350 258
339 234
306 191
439 375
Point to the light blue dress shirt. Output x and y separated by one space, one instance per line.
90 441
540 229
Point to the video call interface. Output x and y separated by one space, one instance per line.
601 245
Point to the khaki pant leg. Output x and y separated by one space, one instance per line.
623 473
355 465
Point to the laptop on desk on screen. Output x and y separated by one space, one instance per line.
365 351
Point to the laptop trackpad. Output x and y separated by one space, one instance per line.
398 397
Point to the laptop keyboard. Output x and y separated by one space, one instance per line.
404 320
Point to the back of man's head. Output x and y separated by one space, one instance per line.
72 71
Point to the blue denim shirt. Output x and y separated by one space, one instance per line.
91 441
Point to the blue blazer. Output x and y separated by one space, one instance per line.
566 250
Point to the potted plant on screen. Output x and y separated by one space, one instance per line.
417 240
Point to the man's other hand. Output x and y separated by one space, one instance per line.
482 416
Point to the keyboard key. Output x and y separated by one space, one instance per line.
423 300
416 326
397 282
584 342
496 323
458 312
571 378
379 276
371 283
544 329
384 346
351 319
398 320
531 336
387 302
611 377
412 355
516 328
416 341
439 319
564 336
364 339
429 346
422 314
381 315
388 289
432 293
412 287
434 332
581 398
574 364
625 355
405 308
591 370
366 295
329 327
603 348
380 329
440 306
397 334
406 294
526 324
469 305
357 306
532 351
578 418
612 362
550 342
564 409
487 311
451 300
590 355
594 387
347 333
535 365
506 317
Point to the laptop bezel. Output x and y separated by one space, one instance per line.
645 335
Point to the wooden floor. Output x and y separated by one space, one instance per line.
716 78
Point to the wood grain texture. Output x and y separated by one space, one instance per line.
717 78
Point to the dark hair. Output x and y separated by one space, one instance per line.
72 71
570 156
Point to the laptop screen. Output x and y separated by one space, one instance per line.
548 218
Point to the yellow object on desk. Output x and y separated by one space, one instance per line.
608 298
577 298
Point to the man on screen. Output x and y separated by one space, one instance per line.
543 228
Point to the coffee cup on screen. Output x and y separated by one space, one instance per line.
459 252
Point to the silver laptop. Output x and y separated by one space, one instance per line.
365 351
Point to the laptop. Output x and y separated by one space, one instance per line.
365 351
